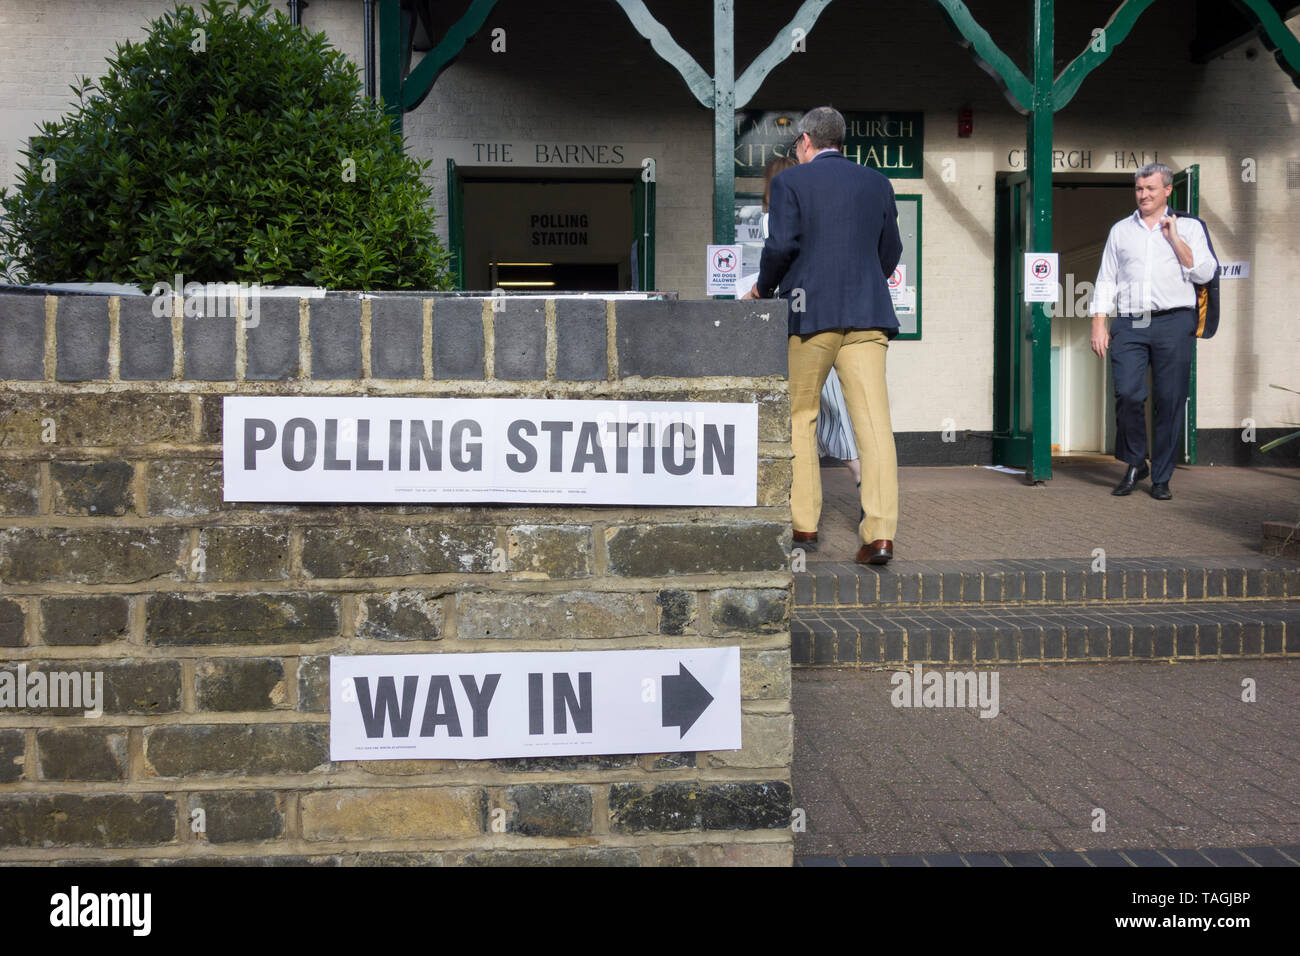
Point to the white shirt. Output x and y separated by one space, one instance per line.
1141 273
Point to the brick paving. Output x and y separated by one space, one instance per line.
1210 857
1028 634
959 513
1170 752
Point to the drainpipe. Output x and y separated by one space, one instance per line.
296 8
368 42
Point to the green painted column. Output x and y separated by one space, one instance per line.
391 55
1038 163
724 121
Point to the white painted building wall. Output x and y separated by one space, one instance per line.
576 70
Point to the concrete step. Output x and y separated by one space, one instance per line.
1034 634
1044 582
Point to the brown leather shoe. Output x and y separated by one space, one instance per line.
877 552
806 540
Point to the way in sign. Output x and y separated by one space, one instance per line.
471 706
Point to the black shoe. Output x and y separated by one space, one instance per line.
1160 491
1131 477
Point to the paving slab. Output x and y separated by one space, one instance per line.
1170 755
973 512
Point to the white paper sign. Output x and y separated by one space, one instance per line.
722 269
535 704
1234 270
1042 277
902 295
556 452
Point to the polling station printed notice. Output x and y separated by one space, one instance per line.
537 451
534 704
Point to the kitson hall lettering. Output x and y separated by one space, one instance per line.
414 445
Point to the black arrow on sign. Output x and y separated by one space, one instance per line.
684 700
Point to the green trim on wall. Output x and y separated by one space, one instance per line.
917 198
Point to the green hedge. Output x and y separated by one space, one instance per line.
230 146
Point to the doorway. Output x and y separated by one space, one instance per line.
1081 388
550 233
1083 394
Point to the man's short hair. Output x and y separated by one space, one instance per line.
824 126
1150 169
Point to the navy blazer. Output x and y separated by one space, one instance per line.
832 232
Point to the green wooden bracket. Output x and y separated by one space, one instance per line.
780 48
1112 35
670 51
988 56
419 81
1275 36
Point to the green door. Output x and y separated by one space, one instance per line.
1012 382
456 223
643 235
1186 197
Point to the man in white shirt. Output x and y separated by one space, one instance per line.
1151 260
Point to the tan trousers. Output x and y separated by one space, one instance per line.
859 358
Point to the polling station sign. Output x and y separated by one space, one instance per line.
538 451
534 704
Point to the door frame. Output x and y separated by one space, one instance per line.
643 215
1188 200
1012 443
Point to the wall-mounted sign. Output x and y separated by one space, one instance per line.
559 229
569 154
1234 270
555 452
891 142
538 704
1042 277
722 269
901 294
1090 159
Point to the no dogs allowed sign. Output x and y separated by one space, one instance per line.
723 270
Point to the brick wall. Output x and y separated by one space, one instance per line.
213 623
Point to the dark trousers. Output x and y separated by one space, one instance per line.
1166 343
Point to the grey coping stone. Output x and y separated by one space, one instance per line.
145 339
209 343
22 337
272 342
335 338
396 339
82 331
580 341
701 338
520 340
458 339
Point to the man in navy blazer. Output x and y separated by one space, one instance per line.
833 242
